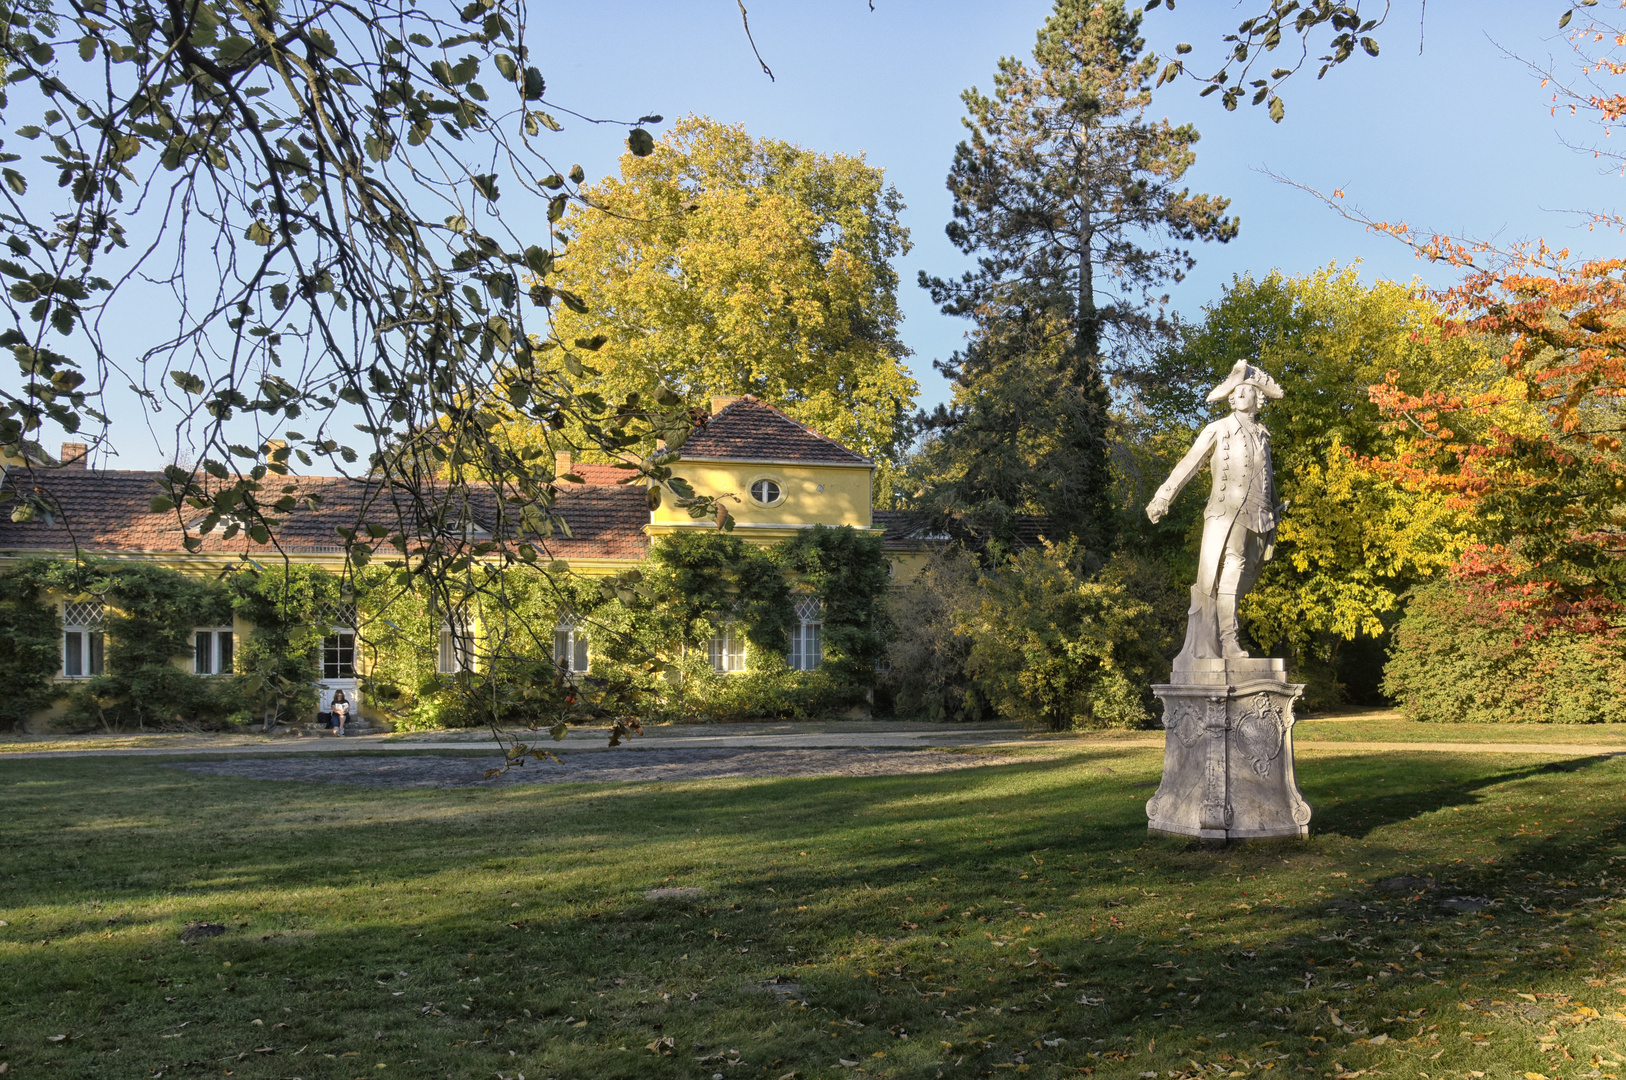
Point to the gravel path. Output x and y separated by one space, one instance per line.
434 771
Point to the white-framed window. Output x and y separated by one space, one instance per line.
82 639
570 644
212 651
456 647
339 647
339 654
727 649
807 635
767 492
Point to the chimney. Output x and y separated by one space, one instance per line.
718 404
75 455
561 462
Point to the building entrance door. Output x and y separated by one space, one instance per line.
339 670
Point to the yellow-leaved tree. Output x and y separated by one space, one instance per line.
722 264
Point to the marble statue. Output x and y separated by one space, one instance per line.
1228 770
1239 524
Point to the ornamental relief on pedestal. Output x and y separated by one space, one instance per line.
1184 717
1260 732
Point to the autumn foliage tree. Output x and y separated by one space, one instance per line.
1539 457
1353 543
722 263
1536 457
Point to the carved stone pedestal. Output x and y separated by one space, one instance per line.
1228 753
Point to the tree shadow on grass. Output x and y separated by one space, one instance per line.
1396 788
1026 887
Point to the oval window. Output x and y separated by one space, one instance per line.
766 492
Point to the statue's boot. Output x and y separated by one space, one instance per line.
1230 647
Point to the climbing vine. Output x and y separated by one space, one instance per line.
291 608
30 640
648 631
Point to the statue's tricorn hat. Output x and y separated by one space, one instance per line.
1245 374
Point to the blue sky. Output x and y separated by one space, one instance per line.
1457 138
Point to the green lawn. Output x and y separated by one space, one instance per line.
1390 727
992 922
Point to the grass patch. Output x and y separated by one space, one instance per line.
1001 921
1390 727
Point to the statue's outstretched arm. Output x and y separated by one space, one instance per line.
1182 474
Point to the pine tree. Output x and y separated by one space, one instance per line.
1065 194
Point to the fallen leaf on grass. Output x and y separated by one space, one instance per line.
1378 1040
56 1038
845 1064
664 1045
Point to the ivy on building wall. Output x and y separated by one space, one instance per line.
849 572
291 609
648 630
151 613
508 616
30 640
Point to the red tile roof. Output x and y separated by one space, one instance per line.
107 511
599 475
749 430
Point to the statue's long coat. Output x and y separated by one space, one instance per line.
1244 492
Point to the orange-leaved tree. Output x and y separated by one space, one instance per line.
1537 455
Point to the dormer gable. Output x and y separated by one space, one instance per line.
782 474
745 429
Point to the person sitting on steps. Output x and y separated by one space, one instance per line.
341 711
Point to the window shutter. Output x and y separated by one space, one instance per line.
203 652
580 659
73 662
226 663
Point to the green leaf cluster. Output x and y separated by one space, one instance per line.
1056 646
30 640
723 264
1458 658
322 146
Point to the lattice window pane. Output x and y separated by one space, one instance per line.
87 614
73 654
341 614
807 636
570 649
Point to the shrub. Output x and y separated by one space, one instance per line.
1457 658
1056 647
925 670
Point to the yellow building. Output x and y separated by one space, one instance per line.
777 477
